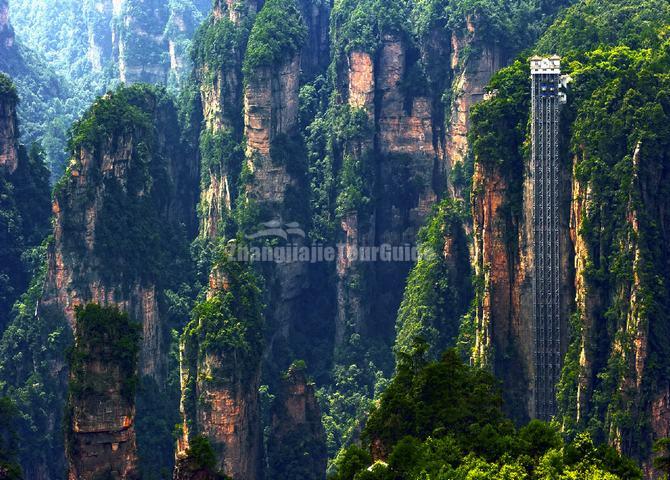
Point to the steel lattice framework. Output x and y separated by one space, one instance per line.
546 105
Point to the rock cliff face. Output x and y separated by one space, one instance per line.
221 95
141 40
262 108
101 408
503 199
9 135
6 30
229 416
620 351
297 442
122 218
504 260
98 15
473 62
107 179
141 43
414 147
220 378
270 111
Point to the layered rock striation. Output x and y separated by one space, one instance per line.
100 440
297 442
220 357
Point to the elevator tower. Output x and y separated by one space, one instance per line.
546 105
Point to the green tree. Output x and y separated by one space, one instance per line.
662 460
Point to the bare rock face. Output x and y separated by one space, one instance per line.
504 259
405 143
297 443
140 42
9 143
501 326
229 415
98 17
88 261
361 81
6 29
220 379
232 422
271 110
221 97
100 440
411 166
271 105
472 72
629 340
126 200
275 160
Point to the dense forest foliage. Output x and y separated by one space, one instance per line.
67 53
443 420
24 214
615 54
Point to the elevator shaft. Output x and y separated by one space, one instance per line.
546 106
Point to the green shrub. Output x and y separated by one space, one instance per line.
278 34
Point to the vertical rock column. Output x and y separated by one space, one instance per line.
473 63
220 357
141 44
6 29
357 228
275 174
297 443
98 15
94 256
219 52
9 135
100 440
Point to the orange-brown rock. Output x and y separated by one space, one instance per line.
504 261
74 277
271 105
100 436
102 439
225 410
472 71
220 378
9 135
94 254
297 442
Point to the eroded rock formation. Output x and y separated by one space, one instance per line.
9 135
93 257
123 213
473 61
297 442
100 440
6 30
221 96
220 358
